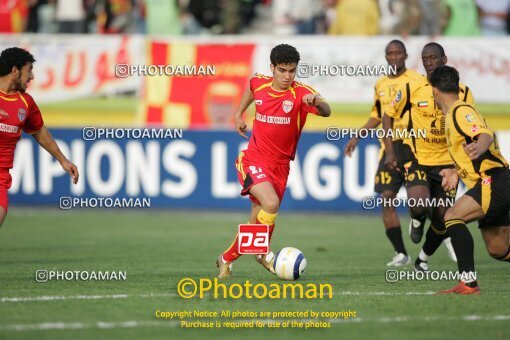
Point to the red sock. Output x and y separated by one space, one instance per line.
231 254
271 229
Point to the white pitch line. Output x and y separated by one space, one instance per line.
158 295
80 325
385 293
82 297
174 323
126 296
57 298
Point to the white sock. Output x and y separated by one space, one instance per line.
468 277
424 257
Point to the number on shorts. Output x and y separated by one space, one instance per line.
254 170
385 177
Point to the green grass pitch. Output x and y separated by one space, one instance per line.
158 248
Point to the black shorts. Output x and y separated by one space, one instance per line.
493 195
428 176
386 179
392 180
403 153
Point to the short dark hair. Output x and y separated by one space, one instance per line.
397 42
14 57
445 79
284 54
436 45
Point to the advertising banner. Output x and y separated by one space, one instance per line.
70 67
195 171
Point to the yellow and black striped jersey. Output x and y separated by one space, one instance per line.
384 90
463 125
426 121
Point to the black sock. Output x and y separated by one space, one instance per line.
463 244
395 236
418 261
433 240
506 257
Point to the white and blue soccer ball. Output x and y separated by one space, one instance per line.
289 263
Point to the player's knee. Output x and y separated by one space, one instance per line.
418 212
388 194
271 205
450 214
497 251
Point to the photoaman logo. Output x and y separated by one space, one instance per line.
253 239
188 288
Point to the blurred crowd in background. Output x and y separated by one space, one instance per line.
202 17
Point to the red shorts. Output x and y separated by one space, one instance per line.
5 184
253 170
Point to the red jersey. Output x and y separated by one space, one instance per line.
279 118
18 112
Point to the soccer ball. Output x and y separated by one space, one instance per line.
289 263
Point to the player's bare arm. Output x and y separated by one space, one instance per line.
246 101
391 159
45 139
478 148
371 123
319 102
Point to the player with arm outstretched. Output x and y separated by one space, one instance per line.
282 106
388 182
19 112
474 150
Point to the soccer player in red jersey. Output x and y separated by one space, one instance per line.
282 106
19 112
